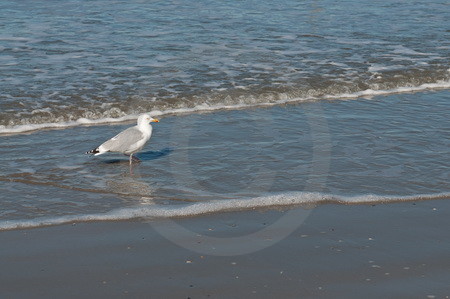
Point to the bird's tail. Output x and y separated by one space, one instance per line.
93 152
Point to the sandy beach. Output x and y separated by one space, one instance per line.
386 250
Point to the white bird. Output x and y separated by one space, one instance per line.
129 141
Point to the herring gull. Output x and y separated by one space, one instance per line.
129 141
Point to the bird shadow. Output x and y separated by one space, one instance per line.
144 156
153 155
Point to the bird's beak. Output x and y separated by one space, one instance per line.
154 120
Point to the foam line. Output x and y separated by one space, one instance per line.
204 107
202 208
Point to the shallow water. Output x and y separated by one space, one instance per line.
89 62
74 61
383 149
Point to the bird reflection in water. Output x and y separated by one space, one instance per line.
129 185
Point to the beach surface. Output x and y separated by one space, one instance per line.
387 250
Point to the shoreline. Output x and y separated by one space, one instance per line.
386 254
143 214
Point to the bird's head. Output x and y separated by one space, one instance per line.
146 118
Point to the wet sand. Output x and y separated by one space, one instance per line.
395 250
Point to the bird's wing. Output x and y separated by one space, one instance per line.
124 140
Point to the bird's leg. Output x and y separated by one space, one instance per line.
133 158
131 168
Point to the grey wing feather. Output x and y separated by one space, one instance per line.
124 140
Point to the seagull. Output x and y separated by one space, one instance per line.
129 141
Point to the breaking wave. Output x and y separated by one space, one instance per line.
219 100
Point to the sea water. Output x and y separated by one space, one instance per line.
365 83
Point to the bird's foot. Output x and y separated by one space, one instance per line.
135 159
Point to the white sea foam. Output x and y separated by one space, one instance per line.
205 107
153 211
406 89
